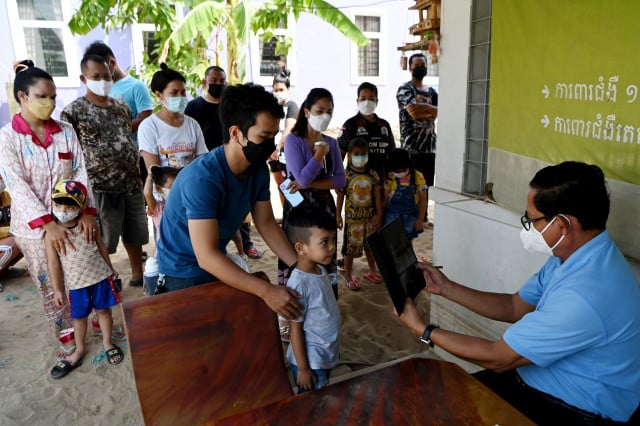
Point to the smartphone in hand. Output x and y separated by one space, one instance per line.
294 198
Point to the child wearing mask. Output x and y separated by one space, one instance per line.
405 192
362 200
88 274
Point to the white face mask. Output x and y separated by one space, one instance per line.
281 96
165 193
366 107
359 160
64 217
400 175
319 123
99 87
533 241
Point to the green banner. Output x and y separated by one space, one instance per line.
564 83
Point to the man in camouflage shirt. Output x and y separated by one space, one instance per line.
103 125
418 107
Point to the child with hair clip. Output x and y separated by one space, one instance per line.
405 192
362 200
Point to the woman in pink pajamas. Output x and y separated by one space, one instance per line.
36 152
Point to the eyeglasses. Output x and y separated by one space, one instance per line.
526 221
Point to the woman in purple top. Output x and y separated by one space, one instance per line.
314 164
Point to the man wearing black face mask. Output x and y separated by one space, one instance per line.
211 197
418 105
205 108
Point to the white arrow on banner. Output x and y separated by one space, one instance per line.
545 121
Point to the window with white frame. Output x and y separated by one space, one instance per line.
267 55
144 41
39 32
367 63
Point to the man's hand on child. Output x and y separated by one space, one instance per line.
282 300
88 226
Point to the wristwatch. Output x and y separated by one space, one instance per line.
426 336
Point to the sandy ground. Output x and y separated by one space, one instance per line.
97 393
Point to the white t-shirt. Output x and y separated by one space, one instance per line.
175 146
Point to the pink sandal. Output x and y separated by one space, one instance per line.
354 284
373 277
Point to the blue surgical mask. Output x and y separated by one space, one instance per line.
359 160
176 103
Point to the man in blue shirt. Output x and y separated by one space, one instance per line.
212 195
571 353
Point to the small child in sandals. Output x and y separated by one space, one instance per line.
363 209
88 274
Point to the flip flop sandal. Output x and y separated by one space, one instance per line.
373 277
64 367
354 284
113 354
253 253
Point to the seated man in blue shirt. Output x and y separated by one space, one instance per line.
571 355
211 197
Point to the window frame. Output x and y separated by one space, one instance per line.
254 46
382 36
137 42
17 27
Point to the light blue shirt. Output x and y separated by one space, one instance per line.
134 93
321 318
584 336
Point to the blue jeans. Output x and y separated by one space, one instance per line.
322 377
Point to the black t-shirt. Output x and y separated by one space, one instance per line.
206 114
379 135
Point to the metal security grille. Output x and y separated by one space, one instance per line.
475 160
369 56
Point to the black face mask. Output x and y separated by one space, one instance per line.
259 153
215 90
419 73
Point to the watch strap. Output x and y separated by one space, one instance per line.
426 336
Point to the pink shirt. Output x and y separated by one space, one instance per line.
31 169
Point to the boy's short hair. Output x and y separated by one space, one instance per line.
69 193
358 142
370 86
304 217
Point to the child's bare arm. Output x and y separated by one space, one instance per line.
422 209
379 203
104 251
148 193
306 377
339 203
55 274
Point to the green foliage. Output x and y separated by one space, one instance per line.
184 44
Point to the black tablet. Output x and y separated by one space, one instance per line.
397 261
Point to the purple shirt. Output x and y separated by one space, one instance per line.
305 169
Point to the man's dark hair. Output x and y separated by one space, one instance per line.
163 77
27 75
95 58
416 55
300 128
241 104
100 49
573 188
301 219
214 68
370 86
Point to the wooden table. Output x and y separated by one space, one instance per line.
414 392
